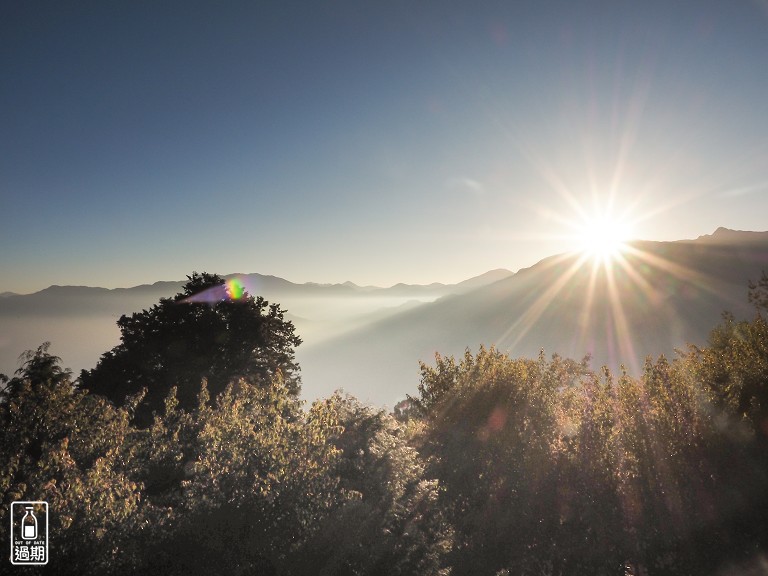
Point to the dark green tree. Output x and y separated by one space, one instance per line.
206 332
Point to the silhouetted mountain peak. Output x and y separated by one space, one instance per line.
727 236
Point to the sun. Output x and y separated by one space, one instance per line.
603 237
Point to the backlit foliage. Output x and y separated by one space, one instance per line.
498 465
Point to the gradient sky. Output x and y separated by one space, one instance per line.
373 142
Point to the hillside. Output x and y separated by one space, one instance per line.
663 295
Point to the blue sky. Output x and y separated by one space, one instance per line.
373 142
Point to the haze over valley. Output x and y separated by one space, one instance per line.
655 297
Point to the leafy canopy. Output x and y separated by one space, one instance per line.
200 334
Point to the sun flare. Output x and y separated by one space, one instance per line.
603 237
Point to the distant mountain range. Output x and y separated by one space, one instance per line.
655 297
80 320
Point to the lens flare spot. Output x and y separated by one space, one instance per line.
235 289
496 421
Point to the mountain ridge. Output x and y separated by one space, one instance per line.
268 278
666 295
63 313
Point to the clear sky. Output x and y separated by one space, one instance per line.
377 142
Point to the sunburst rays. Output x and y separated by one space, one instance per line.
619 288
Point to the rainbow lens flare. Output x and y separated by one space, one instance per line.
235 289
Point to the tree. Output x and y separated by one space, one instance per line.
491 437
69 448
734 366
389 522
250 479
758 292
206 332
